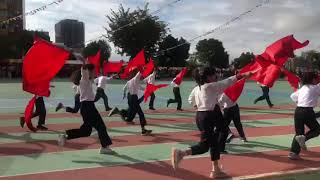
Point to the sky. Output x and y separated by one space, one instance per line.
189 18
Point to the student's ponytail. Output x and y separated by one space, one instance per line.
75 77
200 75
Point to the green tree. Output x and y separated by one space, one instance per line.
243 59
212 53
174 57
132 31
92 48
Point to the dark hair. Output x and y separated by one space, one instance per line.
90 67
75 77
308 77
200 75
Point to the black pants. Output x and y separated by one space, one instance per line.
77 104
134 108
209 123
40 111
265 95
304 116
91 118
231 114
101 94
152 98
177 97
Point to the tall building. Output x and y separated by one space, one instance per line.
9 9
70 32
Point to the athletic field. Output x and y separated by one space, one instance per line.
25 155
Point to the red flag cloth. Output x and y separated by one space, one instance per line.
40 65
112 67
28 114
149 67
95 60
178 79
152 88
281 50
292 79
137 61
234 91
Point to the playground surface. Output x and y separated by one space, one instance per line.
25 155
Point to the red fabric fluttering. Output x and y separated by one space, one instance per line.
178 79
234 91
95 60
112 67
148 69
29 112
292 79
152 88
40 65
137 61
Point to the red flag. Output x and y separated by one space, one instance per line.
112 67
149 67
178 79
281 50
40 65
28 114
137 61
234 91
292 79
152 88
95 60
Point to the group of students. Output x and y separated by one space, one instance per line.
207 98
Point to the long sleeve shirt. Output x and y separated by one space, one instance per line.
133 85
150 79
86 91
306 96
206 96
102 81
225 101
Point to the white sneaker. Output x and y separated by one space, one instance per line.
301 139
294 156
176 157
62 140
106 150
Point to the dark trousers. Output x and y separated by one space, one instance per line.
265 95
40 111
77 104
91 118
209 123
231 114
134 108
177 97
304 116
101 94
152 98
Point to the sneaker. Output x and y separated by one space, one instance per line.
152 108
255 102
243 139
218 174
59 106
22 122
176 157
294 156
108 109
229 138
62 139
271 105
115 110
179 109
168 103
42 128
146 132
301 141
106 150
224 152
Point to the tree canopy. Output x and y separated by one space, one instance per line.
92 48
243 60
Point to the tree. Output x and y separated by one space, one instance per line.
174 57
92 48
132 31
212 53
243 60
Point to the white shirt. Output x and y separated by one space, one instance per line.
206 97
225 101
76 89
102 81
151 78
86 91
306 96
133 85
